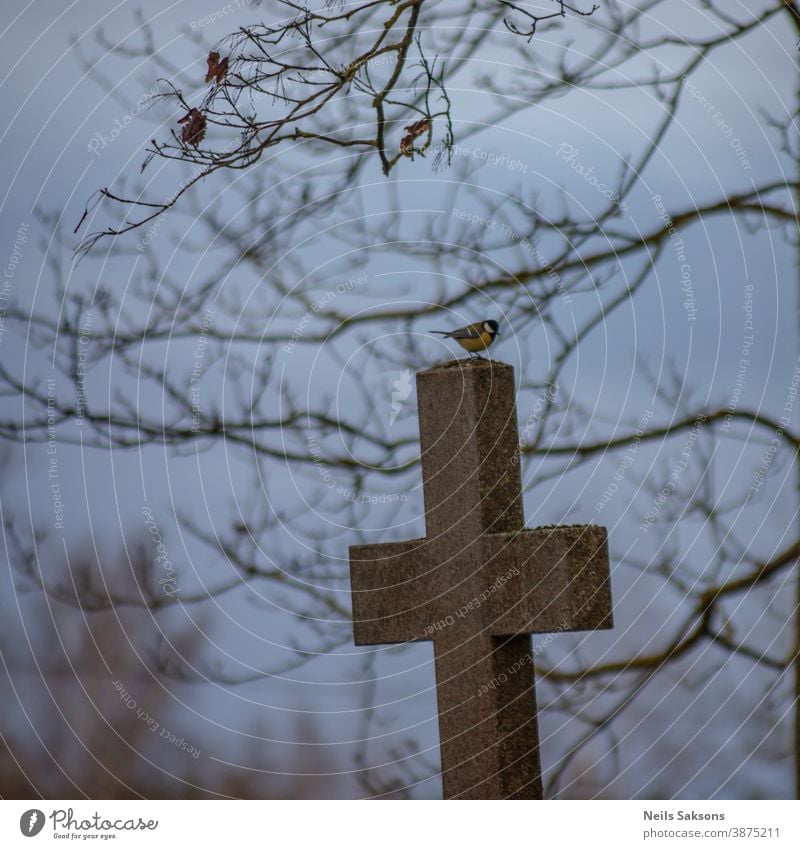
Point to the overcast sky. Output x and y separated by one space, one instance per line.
66 134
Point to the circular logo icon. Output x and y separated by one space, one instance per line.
31 822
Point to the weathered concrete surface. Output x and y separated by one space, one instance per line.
479 584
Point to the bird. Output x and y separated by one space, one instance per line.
474 337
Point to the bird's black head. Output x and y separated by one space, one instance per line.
491 326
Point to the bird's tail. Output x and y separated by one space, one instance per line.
440 332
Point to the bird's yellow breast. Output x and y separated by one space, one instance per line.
479 343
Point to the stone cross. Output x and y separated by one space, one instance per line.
479 584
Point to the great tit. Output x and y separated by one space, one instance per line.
474 337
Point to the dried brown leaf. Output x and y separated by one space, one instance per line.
194 130
216 68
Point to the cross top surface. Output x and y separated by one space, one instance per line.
479 583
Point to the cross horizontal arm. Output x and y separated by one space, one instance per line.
556 579
390 595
